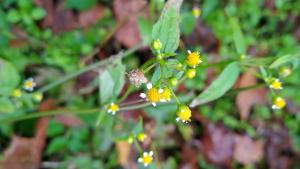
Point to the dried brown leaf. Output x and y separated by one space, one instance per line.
247 151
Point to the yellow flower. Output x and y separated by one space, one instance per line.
146 159
29 84
16 93
278 103
193 59
196 12
275 84
190 73
184 114
141 137
152 95
165 95
113 108
285 71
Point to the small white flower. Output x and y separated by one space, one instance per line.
113 108
29 84
146 159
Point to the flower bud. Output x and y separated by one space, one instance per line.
156 45
190 73
173 81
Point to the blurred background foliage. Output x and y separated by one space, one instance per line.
49 39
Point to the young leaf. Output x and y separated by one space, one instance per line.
166 29
220 86
9 77
238 37
284 59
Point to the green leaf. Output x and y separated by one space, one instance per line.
219 86
166 29
57 145
284 59
38 13
13 16
238 37
112 81
9 77
139 127
80 4
188 23
106 87
6 106
145 28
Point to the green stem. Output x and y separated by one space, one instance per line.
138 146
125 95
88 68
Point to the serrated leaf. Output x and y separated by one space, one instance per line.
284 59
166 29
219 86
9 77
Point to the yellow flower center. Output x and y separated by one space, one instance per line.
166 94
113 107
184 113
279 103
147 159
141 136
153 95
276 85
16 93
196 12
193 59
28 84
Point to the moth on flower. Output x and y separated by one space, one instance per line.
193 59
184 114
29 84
146 159
275 84
152 95
113 108
278 103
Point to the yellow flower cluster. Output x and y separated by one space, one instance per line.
155 95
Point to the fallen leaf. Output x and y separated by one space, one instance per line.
123 151
91 17
247 151
217 145
246 99
126 13
279 151
204 36
26 153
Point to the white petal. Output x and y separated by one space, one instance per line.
182 110
143 95
145 154
109 110
145 164
113 113
149 85
140 160
111 103
162 100
274 107
154 104
177 119
189 52
151 153
160 90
